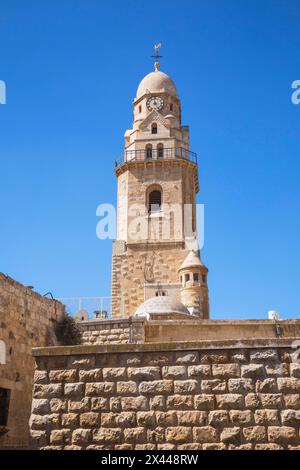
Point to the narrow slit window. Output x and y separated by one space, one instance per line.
154 128
4 405
160 151
149 151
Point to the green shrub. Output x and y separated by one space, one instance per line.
68 331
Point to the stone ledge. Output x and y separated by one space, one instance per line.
155 347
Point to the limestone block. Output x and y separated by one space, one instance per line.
252 400
116 373
271 400
69 375
290 418
185 386
126 388
69 420
191 418
74 390
58 405
230 401
253 371
200 371
190 446
187 358
213 446
47 391
231 435
174 372
40 377
263 355
158 402
204 402
266 386
79 405
92 375
89 420
292 401
156 435
214 385
40 406
126 419
146 419
135 435
81 437
179 434
255 433
134 403
268 446
282 435
143 373
205 434
100 388
240 385
60 437
277 370
50 421
214 358
266 417
107 436
224 371
165 419
241 417
99 404
289 385
218 418
295 370
156 387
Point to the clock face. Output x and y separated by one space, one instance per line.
155 103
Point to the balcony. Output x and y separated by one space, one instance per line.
148 154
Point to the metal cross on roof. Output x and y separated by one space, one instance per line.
156 56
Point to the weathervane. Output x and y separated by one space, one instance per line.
156 56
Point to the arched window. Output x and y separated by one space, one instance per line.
160 151
148 151
161 293
154 128
140 108
171 107
154 201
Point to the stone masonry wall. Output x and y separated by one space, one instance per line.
221 395
121 331
27 319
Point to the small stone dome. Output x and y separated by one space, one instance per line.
156 82
159 305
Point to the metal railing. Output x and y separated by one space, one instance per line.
96 307
162 153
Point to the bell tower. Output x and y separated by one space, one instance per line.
157 186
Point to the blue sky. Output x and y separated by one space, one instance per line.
71 69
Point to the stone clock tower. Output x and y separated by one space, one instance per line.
157 186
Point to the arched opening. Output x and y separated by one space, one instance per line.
160 151
148 151
154 201
154 128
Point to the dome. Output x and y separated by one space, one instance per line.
156 82
192 260
161 305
